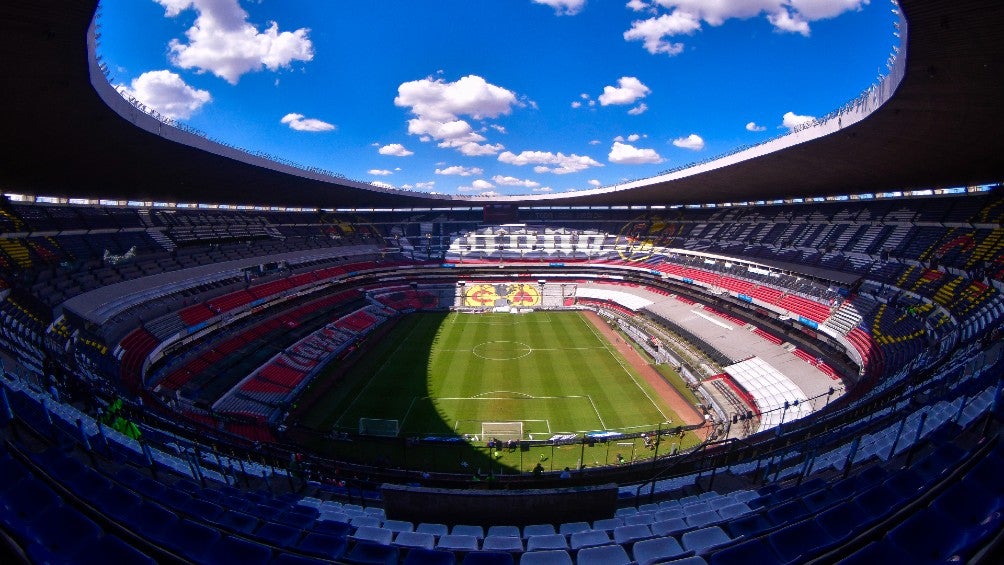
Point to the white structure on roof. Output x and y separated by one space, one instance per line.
624 299
770 389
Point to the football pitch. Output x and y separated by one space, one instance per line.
468 376
549 370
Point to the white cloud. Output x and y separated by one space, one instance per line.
629 90
223 42
576 104
639 109
814 10
513 181
624 154
498 128
594 142
784 20
547 162
395 149
594 182
651 32
480 186
752 126
426 185
174 7
460 171
167 93
543 189
637 5
630 138
300 123
792 120
684 17
380 172
471 149
564 7
438 106
382 184
693 142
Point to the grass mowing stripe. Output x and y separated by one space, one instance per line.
627 370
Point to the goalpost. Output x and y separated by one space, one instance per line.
503 431
378 427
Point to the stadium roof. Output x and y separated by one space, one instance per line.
941 128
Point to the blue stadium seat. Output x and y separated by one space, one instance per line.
508 544
538 530
415 539
322 545
569 528
236 521
670 526
434 529
692 560
607 524
874 552
546 541
705 538
788 512
422 556
371 553
398 526
702 519
603 555
500 530
879 500
973 508
844 520
293 559
189 539
755 551
279 535
458 542
112 549
373 534
590 538
627 535
546 557
58 533
333 528
749 525
489 558
24 502
468 530
914 536
148 519
799 541
656 550
238 551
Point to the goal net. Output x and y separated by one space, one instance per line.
378 427
503 431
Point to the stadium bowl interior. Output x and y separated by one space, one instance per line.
188 383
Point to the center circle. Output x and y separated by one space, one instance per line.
502 350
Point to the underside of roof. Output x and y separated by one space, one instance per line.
942 128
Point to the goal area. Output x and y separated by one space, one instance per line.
504 431
378 427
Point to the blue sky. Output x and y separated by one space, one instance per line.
495 96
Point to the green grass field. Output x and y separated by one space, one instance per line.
446 374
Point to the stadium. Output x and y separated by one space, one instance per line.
790 353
